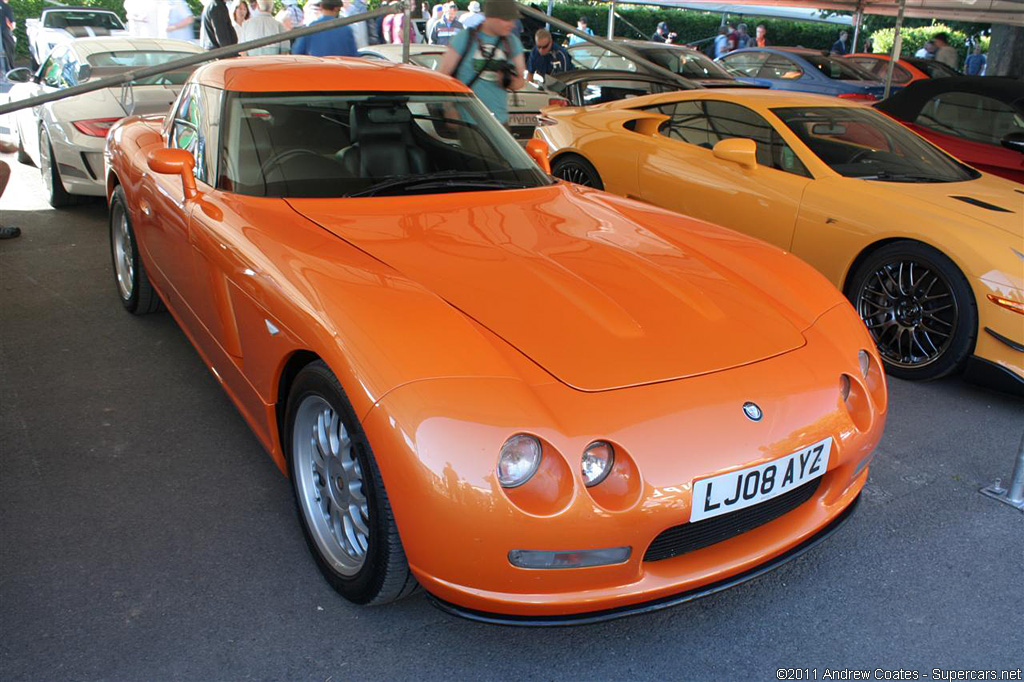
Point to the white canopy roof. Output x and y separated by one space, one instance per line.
988 11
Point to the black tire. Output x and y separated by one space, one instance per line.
576 169
23 157
918 307
133 286
384 574
56 194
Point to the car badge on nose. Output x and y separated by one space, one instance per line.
752 411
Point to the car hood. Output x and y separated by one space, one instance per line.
590 294
988 199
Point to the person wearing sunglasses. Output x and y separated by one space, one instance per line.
547 57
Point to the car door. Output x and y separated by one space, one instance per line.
971 127
678 170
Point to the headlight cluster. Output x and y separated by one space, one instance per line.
520 457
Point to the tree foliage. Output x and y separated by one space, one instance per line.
914 39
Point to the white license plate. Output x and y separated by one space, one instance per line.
745 488
522 119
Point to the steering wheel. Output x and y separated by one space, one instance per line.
859 155
280 157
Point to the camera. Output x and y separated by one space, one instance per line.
506 74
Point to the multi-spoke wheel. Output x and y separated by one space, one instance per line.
918 308
340 495
49 170
133 286
578 170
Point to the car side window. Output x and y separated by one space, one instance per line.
973 117
195 125
745 63
53 68
780 68
687 123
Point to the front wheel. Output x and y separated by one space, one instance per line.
342 504
133 285
578 170
918 307
50 173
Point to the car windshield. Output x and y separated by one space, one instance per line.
686 63
76 18
837 69
106 64
368 144
934 69
428 60
861 143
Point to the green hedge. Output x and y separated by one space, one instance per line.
915 38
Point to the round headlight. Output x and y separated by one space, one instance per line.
865 363
597 463
518 461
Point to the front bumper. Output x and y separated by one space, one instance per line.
998 360
655 604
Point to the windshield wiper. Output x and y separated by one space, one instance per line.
435 180
900 177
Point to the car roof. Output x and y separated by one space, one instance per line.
646 44
612 74
78 9
797 51
394 51
908 102
84 47
292 73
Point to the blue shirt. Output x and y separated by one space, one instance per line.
335 42
557 60
974 64
574 39
501 50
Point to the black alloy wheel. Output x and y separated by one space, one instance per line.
919 309
577 170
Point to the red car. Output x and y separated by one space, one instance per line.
977 119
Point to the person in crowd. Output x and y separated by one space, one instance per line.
927 51
547 56
142 20
841 47
722 44
335 42
761 36
662 34
359 29
7 27
262 24
474 17
239 14
310 12
446 29
217 30
743 39
944 52
582 24
290 15
974 65
6 231
489 59
393 27
177 21
869 46
436 14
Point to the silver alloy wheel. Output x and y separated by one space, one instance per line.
330 484
910 311
45 161
574 172
124 261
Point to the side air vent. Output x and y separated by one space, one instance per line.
980 204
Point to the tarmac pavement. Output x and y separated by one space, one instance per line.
145 535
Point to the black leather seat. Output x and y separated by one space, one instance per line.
382 143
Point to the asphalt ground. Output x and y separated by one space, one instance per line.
145 535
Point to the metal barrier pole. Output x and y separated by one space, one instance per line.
1014 495
614 47
897 43
406 32
198 58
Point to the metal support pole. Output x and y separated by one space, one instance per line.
406 32
611 46
858 18
611 20
1014 496
897 42
551 10
192 60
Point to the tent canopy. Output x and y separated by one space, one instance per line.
781 12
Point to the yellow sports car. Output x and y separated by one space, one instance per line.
929 250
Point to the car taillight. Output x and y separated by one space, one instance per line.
96 127
858 96
558 102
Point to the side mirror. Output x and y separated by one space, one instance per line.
171 161
739 150
1014 141
20 75
538 151
84 73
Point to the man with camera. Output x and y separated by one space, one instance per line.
489 59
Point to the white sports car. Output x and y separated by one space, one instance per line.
65 138
59 26
523 105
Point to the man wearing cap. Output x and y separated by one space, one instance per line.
334 42
445 30
489 59
474 17
662 34
547 57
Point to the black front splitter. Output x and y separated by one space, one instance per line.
656 604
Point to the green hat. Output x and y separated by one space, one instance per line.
501 9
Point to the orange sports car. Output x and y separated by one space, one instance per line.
540 402
929 250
